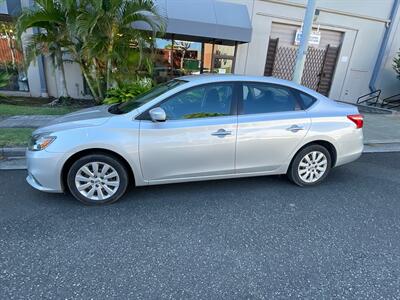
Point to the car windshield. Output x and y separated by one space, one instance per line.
145 97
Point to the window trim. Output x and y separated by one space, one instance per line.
145 116
293 91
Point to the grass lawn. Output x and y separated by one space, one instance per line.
13 110
12 137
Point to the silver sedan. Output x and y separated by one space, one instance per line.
195 128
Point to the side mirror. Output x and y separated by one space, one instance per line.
158 114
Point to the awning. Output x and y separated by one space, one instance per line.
205 19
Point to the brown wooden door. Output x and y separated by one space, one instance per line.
271 54
328 70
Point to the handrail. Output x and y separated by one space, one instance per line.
391 102
370 98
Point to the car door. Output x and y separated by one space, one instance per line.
198 138
271 124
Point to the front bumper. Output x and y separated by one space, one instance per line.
44 171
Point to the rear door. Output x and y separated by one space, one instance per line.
271 124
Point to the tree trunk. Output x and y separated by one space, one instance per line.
82 66
61 75
10 46
98 82
183 57
90 85
109 53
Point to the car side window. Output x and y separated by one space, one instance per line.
259 98
306 100
212 100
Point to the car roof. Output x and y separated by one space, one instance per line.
209 78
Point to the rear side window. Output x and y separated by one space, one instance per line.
306 100
259 98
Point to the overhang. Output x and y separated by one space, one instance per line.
205 19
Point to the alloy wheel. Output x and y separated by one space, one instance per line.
312 166
97 181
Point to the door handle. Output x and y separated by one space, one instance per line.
295 128
221 133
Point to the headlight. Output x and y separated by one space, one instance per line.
40 142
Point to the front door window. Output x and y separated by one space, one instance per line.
212 100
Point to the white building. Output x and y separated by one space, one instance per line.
354 42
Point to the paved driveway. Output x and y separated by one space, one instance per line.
254 238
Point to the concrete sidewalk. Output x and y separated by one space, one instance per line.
33 121
381 128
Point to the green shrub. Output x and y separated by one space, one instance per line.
127 92
396 64
4 79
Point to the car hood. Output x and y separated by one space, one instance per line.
93 116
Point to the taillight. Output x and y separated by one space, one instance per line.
357 119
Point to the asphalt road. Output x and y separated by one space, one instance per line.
253 238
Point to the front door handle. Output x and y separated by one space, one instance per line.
295 128
221 133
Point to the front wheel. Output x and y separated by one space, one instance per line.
310 166
97 179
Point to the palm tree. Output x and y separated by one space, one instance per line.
107 35
47 20
97 34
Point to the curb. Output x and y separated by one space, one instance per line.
381 147
12 152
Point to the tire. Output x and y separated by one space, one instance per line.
104 186
317 167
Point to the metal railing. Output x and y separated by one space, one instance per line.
370 99
391 102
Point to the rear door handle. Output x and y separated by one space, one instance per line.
221 133
295 128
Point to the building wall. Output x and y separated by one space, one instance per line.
362 23
387 80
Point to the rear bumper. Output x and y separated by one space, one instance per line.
44 171
350 147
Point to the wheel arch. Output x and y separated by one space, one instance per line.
324 143
68 163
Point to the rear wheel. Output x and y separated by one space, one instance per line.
310 166
97 179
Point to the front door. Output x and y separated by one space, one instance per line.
271 125
198 138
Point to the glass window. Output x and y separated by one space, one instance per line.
146 97
163 57
306 100
187 57
224 50
261 98
211 100
223 59
223 66
175 58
